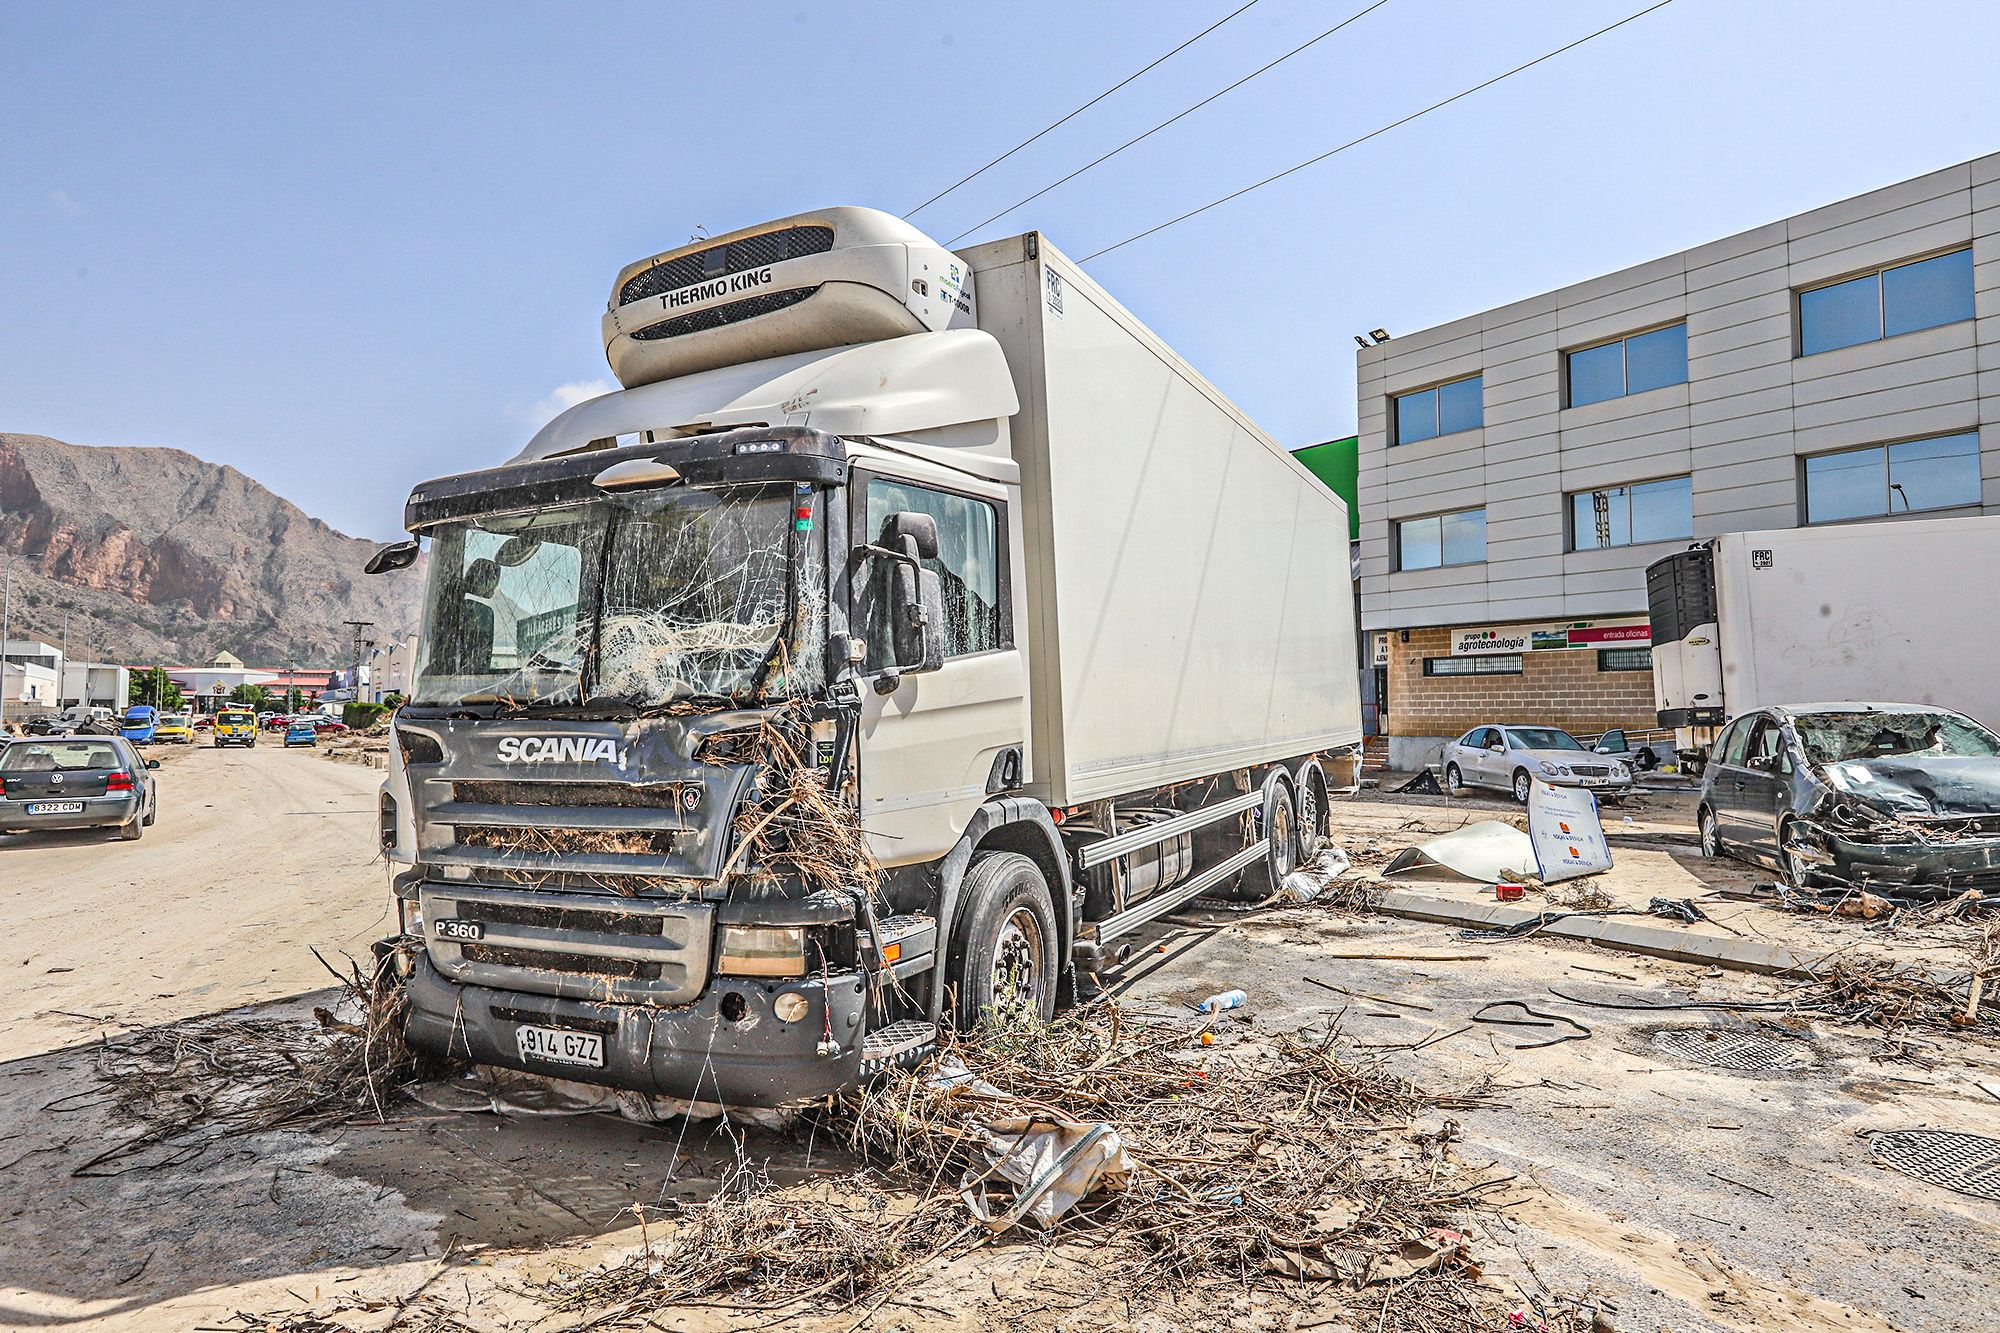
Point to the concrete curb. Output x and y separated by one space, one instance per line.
1625 933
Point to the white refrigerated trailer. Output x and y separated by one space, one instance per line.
1077 638
1854 611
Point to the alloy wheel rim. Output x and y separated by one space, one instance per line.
1709 845
1281 839
1521 788
1016 984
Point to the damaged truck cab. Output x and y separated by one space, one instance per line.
883 651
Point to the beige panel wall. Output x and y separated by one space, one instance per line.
1750 411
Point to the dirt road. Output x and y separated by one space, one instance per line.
1678 1195
256 855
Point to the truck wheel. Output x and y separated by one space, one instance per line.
1315 810
1004 943
1522 785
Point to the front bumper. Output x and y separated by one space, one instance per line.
1928 868
97 812
707 1051
1591 784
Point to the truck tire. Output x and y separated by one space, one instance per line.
1314 810
1003 954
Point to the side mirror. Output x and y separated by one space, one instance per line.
916 614
396 555
1605 749
152 763
919 528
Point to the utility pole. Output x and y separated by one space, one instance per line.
62 667
6 627
356 626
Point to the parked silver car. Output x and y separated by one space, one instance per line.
71 782
1510 757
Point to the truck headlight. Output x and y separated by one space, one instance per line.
410 917
761 951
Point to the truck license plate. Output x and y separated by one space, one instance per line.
56 808
561 1046
457 928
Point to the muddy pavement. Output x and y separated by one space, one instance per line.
1663 1191
1678 1194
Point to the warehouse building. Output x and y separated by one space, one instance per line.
1520 468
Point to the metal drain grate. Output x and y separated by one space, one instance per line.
1726 1049
1968 1163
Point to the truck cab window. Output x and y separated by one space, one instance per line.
967 565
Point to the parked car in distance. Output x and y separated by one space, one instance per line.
1510 757
137 724
327 726
174 727
54 724
301 732
277 721
203 721
76 782
1899 798
235 726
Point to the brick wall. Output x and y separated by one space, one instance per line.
1560 686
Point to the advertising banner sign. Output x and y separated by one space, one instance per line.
1567 835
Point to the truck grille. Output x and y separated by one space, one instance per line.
716 316
622 794
750 252
558 842
615 950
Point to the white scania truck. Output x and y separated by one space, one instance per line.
1071 633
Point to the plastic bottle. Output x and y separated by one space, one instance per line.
1229 999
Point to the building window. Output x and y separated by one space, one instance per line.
1486 664
1624 659
1442 539
1429 413
1938 473
1632 364
1651 511
1882 304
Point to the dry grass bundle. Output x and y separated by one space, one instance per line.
1256 1168
522 839
753 1238
800 828
1876 992
189 1082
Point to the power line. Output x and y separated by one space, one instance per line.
1079 111
1313 161
1163 124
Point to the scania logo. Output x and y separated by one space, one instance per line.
558 749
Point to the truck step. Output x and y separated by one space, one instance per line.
907 940
902 1043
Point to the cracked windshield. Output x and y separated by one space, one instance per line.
689 601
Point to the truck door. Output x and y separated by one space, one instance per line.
933 746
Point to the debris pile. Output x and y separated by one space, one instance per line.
1877 992
188 1083
1261 1166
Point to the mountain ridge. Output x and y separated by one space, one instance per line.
156 555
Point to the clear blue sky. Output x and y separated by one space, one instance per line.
346 247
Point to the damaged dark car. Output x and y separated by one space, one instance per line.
1900 799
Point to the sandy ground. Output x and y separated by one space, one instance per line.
1678 1196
